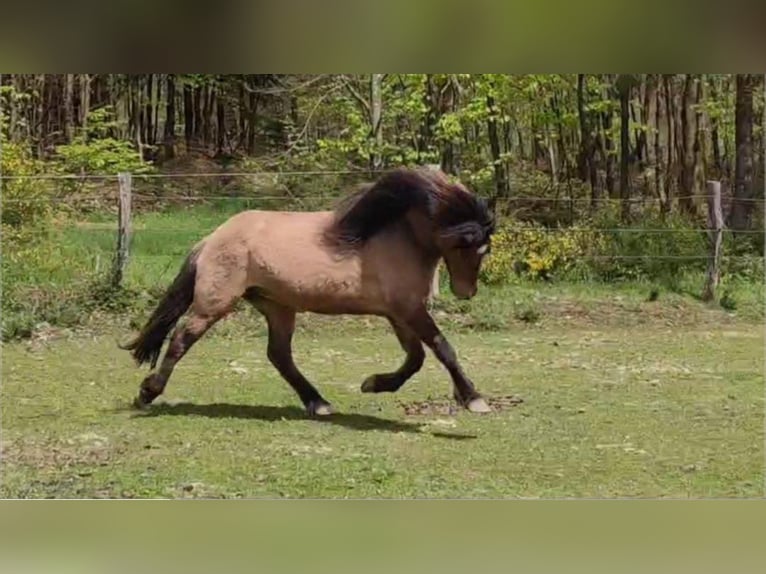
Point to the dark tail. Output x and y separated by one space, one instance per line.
174 303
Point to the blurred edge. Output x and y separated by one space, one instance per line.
378 536
340 36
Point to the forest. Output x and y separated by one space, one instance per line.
592 175
621 137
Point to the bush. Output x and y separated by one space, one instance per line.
602 248
653 247
531 251
94 151
25 201
44 281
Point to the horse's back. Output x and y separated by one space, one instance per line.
282 253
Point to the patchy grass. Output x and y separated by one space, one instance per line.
600 397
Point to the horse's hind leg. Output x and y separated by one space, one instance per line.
281 323
184 336
391 382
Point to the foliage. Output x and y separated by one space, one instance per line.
23 197
529 250
655 246
94 151
312 130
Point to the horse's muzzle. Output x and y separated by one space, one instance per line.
466 293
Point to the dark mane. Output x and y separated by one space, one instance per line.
454 210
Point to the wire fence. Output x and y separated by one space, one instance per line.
64 199
265 192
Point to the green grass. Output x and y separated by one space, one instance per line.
621 398
629 389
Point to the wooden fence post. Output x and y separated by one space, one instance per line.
435 280
123 228
715 236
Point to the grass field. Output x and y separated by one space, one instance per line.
619 398
600 391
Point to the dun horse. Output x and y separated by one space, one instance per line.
374 254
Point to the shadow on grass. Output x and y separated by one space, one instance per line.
288 413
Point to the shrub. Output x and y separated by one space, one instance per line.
527 250
94 151
25 201
652 247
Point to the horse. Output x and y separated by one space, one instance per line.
375 253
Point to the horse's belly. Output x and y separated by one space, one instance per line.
320 294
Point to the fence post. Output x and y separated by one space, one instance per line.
123 228
715 236
435 279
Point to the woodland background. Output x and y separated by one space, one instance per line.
593 176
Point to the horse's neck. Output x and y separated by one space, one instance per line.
419 229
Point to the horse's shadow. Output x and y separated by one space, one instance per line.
289 413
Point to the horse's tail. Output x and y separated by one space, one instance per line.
174 303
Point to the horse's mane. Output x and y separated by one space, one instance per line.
451 207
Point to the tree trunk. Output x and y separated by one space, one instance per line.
169 136
149 124
659 153
207 118
252 123
376 113
156 98
586 158
743 140
220 126
560 141
624 89
69 107
447 104
687 187
188 116
670 163
640 122
609 152
198 113
430 117
501 178
650 134
85 80
241 115
13 112
715 137
134 99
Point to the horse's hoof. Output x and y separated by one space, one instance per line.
368 386
140 404
478 405
319 409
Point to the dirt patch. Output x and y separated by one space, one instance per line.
450 408
675 312
86 450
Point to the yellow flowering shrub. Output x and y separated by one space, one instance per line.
24 200
528 250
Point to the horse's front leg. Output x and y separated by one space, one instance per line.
464 391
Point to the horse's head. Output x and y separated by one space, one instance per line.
445 217
464 238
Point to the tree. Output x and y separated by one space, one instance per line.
169 135
743 141
624 87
